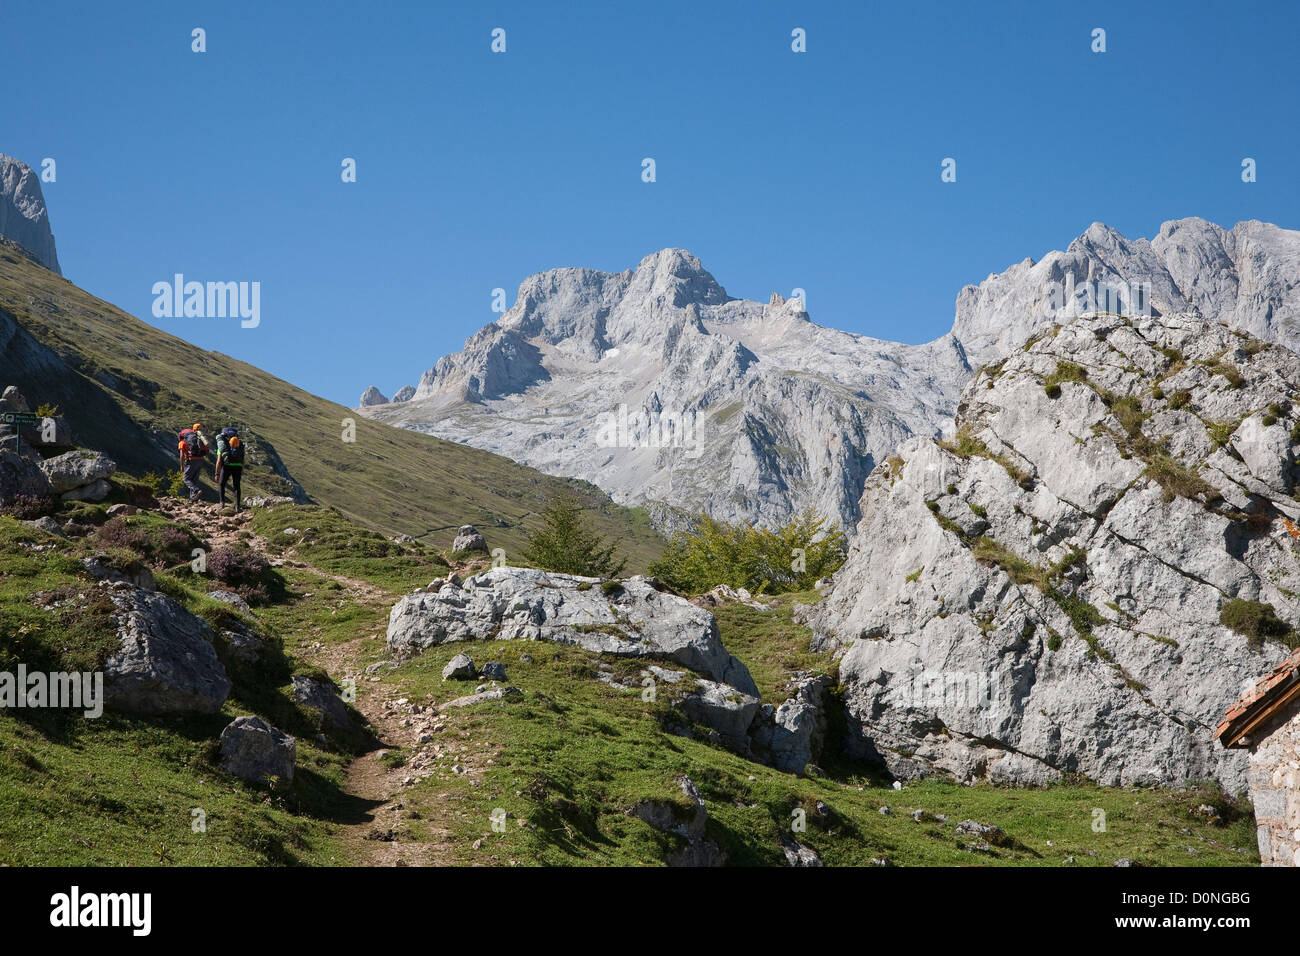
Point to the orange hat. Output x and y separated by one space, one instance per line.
197 426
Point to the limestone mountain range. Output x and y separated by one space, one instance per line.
663 390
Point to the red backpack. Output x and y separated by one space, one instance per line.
190 445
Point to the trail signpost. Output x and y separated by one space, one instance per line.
15 421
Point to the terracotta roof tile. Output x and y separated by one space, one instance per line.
1288 671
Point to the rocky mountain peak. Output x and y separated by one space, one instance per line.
372 396
23 216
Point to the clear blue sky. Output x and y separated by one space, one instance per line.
818 170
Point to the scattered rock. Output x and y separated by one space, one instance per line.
985 831
120 509
232 599
165 662
21 476
796 854
460 667
46 524
722 707
479 697
243 645
97 490
468 538
268 501
322 697
790 735
135 573
253 750
494 670
689 822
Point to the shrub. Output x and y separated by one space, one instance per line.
990 553
117 533
29 507
1256 621
1128 411
245 572
1180 399
1179 481
1228 371
965 443
566 545
790 558
1065 372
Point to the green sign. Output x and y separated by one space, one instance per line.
19 418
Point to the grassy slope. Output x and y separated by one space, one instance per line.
567 759
573 754
390 479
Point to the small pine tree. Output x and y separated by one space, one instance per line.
789 558
565 544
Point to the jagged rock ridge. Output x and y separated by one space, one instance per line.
656 385
773 413
23 216
1043 593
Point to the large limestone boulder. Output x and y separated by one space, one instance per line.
468 538
253 750
165 662
20 476
632 619
1042 595
76 469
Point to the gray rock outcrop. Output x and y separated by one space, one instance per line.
1043 594
689 822
20 476
322 697
165 662
404 394
253 750
504 604
75 471
23 216
468 538
460 667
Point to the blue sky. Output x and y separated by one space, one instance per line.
779 170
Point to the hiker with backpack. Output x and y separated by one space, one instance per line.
193 448
230 465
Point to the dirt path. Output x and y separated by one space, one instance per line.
384 836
